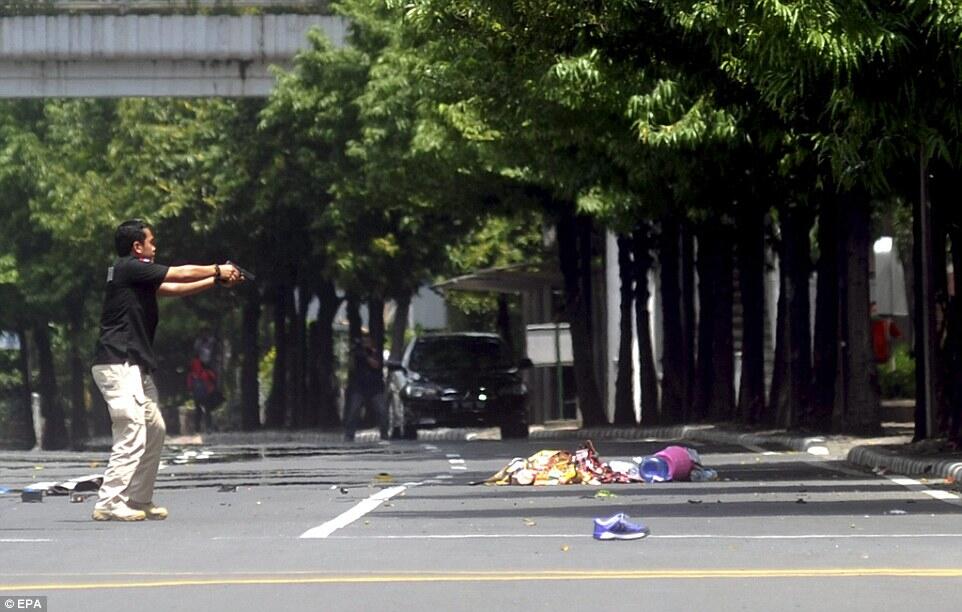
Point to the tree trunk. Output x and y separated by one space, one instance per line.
722 404
857 396
689 321
646 355
715 380
751 282
707 317
297 314
78 406
825 356
920 310
944 192
354 325
925 322
624 392
504 322
800 315
574 247
954 340
312 401
375 314
55 429
23 433
328 393
399 328
674 361
250 360
278 400
794 392
778 393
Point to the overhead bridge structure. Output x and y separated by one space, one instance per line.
107 51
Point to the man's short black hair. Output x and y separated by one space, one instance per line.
128 233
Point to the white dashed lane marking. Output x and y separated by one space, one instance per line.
456 463
915 485
346 518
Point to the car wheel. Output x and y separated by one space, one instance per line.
514 431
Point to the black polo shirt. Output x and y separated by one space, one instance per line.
129 318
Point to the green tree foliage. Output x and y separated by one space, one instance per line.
447 133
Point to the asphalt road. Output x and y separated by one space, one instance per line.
400 527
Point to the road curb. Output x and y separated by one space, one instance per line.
880 458
797 443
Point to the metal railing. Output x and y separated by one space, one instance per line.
122 7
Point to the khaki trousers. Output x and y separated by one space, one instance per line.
138 434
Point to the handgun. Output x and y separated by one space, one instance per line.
247 275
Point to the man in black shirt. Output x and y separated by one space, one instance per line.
366 387
124 361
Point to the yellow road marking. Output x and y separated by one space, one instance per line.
518 576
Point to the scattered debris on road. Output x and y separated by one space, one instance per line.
67 487
31 496
584 466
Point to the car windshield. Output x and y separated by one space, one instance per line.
459 353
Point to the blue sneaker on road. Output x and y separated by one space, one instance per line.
618 527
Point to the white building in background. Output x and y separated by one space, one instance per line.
887 285
9 341
428 310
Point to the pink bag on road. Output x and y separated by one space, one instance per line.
678 460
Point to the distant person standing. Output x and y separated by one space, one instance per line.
366 387
204 347
884 330
124 361
202 386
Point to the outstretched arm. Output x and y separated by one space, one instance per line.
191 273
183 289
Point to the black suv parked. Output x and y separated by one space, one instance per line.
458 380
